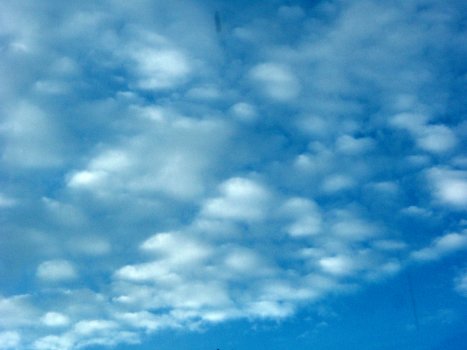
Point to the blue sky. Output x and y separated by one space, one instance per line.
295 179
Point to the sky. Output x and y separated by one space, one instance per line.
233 174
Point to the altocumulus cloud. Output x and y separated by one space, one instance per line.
159 175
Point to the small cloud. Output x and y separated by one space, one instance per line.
9 340
270 309
276 81
54 342
416 211
55 319
160 69
390 245
434 138
92 327
240 199
441 246
56 271
337 183
16 311
338 265
176 248
449 186
305 217
86 179
244 111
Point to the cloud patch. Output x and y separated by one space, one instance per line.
56 271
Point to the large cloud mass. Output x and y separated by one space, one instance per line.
159 174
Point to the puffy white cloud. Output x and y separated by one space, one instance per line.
55 319
88 327
9 340
171 155
240 199
145 320
305 215
337 182
338 265
53 342
16 311
56 271
276 81
176 248
270 309
449 186
441 246
346 224
160 68
434 138
244 111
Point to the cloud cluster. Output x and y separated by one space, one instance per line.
164 178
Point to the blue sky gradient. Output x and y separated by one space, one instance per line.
295 178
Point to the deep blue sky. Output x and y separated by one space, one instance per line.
295 180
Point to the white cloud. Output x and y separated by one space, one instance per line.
276 81
241 261
244 111
55 319
337 182
441 246
32 138
161 125
16 311
416 211
338 265
146 320
160 68
305 215
53 342
177 248
240 199
56 271
449 186
270 309
9 340
86 179
170 155
434 138
89 327
346 224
